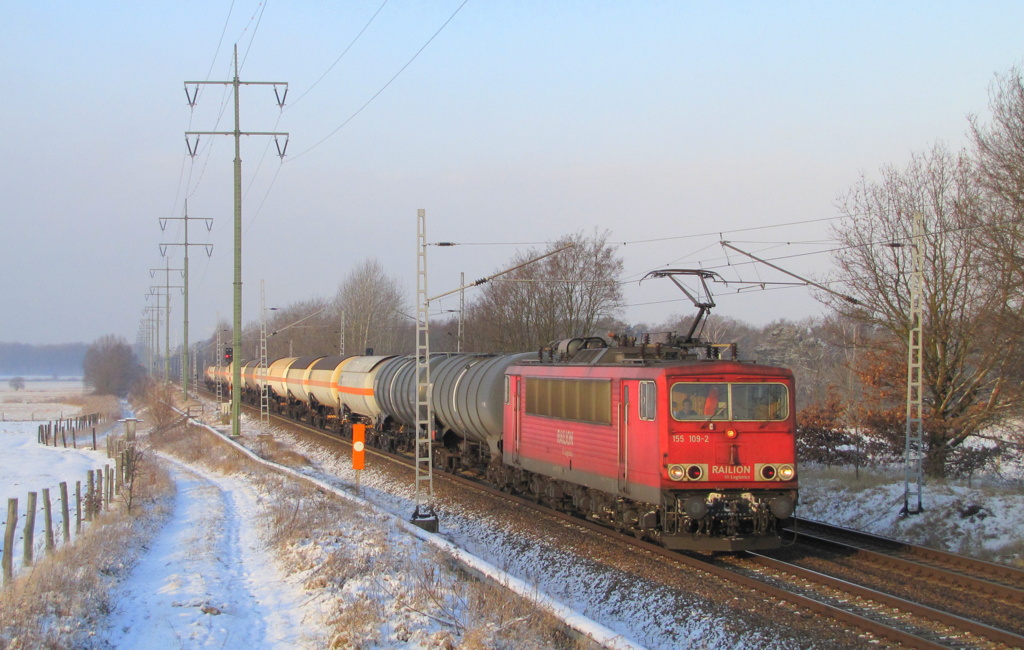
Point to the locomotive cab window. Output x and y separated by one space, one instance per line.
648 400
700 401
759 402
737 401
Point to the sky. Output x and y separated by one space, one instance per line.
670 126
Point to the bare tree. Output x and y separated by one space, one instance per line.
303 328
999 152
376 310
16 383
572 293
963 362
110 367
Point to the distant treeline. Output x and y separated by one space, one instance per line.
42 360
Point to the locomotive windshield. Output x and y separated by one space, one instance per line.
729 401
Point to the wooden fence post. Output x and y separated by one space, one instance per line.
65 515
47 520
12 521
30 527
94 438
110 484
78 507
74 439
90 490
100 500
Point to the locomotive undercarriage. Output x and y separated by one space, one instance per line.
685 520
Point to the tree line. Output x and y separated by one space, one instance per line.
851 363
42 360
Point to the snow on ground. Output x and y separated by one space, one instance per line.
207 581
649 615
39 400
984 522
28 466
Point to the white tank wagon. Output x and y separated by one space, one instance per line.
355 387
296 378
323 378
277 378
249 380
322 391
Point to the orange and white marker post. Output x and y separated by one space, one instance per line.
358 451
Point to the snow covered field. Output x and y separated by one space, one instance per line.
209 577
41 400
983 522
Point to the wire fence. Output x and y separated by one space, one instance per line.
58 431
45 521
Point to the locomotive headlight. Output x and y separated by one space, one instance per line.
694 472
676 472
786 473
768 472
731 433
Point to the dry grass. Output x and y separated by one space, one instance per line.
270 448
107 405
382 584
197 446
849 476
61 600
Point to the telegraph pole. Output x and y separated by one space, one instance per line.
914 448
209 251
261 370
167 309
147 323
462 310
236 364
154 332
424 515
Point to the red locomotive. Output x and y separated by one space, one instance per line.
694 454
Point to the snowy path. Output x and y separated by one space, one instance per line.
207 581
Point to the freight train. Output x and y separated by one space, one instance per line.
660 438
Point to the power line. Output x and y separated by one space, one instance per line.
343 53
220 41
722 232
384 87
258 17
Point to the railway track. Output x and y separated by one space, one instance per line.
882 613
985 577
988 594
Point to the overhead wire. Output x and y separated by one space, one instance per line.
258 18
383 88
721 232
220 41
343 53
